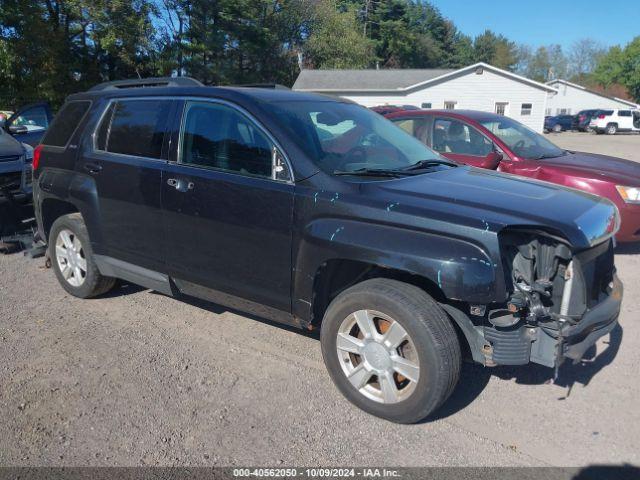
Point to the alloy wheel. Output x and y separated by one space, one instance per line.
70 258
378 356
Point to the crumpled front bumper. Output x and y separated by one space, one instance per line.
597 322
549 344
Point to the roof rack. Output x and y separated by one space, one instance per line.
147 82
274 86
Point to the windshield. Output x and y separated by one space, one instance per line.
344 137
521 140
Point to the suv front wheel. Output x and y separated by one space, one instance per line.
390 349
72 258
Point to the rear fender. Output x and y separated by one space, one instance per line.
76 189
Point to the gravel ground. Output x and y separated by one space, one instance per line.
137 378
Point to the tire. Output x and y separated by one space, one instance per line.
431 344
611 129
69 247
557 128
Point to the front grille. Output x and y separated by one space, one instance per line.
12 158
597 270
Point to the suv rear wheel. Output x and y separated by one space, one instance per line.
390 349
611 129
72 258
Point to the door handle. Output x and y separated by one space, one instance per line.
92 167
180 184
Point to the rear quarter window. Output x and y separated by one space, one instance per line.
65 123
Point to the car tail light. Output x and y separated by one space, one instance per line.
36 157
601 116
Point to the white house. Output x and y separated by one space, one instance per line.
572 98
476 87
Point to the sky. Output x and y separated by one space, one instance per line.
543 22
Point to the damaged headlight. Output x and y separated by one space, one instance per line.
537 268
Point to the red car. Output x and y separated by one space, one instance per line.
492 141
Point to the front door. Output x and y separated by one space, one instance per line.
636 120
228 217
29 124
461 142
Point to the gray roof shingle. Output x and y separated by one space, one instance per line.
386 79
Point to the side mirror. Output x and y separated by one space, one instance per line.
17 129
492 160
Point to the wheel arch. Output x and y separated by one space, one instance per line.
52 209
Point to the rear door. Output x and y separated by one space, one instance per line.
625 120
126 162
227 215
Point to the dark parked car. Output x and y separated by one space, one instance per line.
558 123
15 167
582 118
319 213
29 124
499 143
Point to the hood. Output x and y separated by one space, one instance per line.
479 198
9 146
592 165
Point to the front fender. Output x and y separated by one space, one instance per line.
462 270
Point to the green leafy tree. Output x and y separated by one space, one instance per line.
621 66
495 50
336 40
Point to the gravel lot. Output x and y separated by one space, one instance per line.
137 378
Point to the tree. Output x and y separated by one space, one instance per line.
495 50
336 40
544 64
622 66
583 58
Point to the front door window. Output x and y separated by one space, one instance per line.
454 136
219 137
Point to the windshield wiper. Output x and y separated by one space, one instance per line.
372 172
547 155
429 163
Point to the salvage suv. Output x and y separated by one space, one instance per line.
316 212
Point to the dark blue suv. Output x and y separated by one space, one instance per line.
319 213
558 123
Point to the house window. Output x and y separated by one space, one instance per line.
547 112
501 108
450 105
426 105
563 111
526 109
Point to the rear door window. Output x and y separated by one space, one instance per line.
417 127
65 123
135 127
